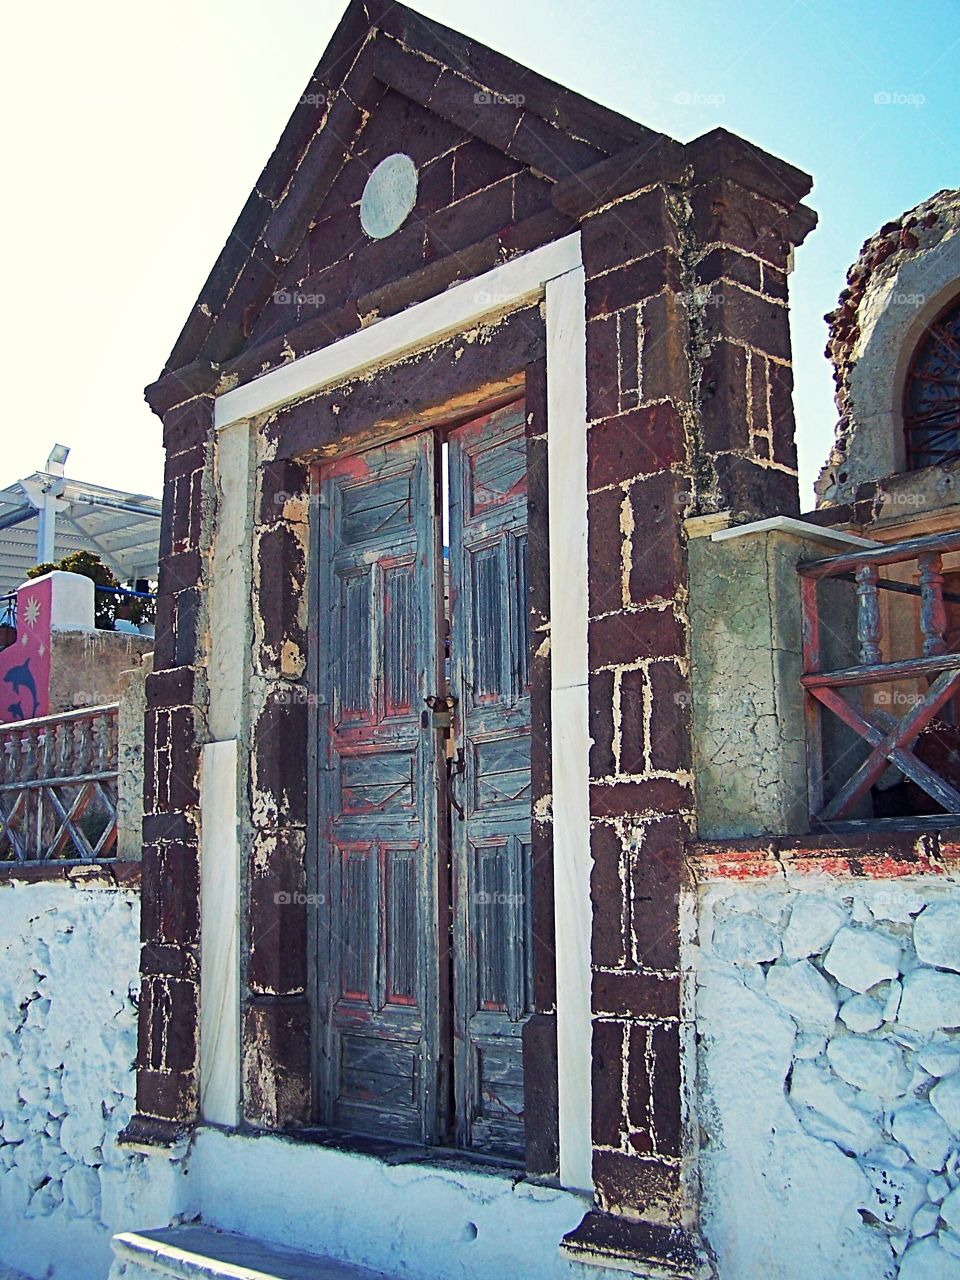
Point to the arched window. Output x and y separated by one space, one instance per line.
931 401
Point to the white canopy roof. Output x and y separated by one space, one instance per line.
123 529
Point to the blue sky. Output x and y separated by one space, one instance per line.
134 134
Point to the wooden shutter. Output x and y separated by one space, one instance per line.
378 943
491 845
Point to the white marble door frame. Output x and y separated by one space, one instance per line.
554 272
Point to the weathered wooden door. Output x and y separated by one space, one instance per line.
491 842
379 883
424 938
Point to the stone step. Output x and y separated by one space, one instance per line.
196 1252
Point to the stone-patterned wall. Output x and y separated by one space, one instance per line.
828 1017
68 1028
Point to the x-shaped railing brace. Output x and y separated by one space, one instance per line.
891 745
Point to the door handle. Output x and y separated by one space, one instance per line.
455 768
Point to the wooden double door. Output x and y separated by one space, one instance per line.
423 928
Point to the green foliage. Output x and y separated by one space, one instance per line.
88 565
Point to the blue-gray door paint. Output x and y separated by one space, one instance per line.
490 650
423 922
378 927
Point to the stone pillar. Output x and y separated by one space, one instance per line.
167 1058
745 220
678 348
639 398
276 1054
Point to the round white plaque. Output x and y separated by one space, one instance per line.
389 196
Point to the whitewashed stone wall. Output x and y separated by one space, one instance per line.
828 1018
68 983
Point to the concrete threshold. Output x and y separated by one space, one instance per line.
193 1251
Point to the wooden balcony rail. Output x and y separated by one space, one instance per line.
891 739
58 787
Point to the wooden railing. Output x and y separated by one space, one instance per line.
890 739
58 787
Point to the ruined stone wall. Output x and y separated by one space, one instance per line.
903 277
69 981
828 1017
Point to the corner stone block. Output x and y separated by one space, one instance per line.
753 490
607 1093
670 720
634 444
277 914
634 228
609 934
280 780
633 1183
602 761
605 550
656 557
656 872
187 424
756 322
726 213
664 362
724 402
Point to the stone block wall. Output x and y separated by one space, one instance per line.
175 708
86 667
828 1017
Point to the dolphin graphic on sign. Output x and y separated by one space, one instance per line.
22 678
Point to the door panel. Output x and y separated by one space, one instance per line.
379 656
491 845
425 934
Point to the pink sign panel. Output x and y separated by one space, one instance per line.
25 664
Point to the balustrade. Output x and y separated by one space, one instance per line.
58 787
891 740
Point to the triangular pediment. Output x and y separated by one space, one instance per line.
490 142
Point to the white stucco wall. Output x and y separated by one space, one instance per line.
829 1078
422 1219
68 982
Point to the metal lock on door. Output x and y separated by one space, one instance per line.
441 719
